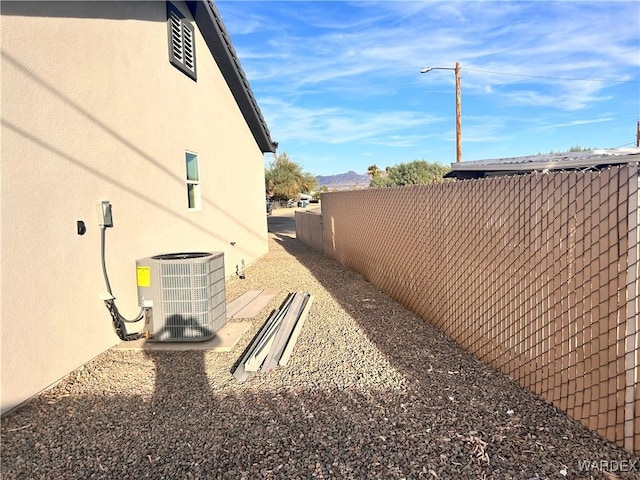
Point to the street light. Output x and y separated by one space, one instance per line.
458 109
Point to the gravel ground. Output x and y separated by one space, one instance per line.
371 391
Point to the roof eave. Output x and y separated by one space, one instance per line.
210 24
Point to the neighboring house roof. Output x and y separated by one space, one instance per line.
552 161
210 24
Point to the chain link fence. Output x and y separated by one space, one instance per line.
537 275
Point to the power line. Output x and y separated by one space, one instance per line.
553 78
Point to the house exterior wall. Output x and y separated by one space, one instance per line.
93 110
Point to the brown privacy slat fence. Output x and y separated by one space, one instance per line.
537 275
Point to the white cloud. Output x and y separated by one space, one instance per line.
373 56
347 73
575 123
340 125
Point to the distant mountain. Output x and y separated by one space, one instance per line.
343 181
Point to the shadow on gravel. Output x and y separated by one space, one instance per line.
168 421
185 433
474 402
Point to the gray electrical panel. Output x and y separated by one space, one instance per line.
186 295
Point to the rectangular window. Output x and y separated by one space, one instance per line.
193 181
182 42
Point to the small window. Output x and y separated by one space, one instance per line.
193 181
182 41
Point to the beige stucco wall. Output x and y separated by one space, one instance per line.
309 229
92 109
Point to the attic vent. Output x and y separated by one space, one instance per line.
182 46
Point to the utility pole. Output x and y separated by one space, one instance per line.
458 106
459 116
638 135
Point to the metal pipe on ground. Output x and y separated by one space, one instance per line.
274 343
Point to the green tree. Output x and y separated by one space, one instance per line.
316 195
380 181
373 171
578 148
284 178
418 172
575 148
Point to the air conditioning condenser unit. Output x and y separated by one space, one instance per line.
185 293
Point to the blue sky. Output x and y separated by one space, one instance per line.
340 87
